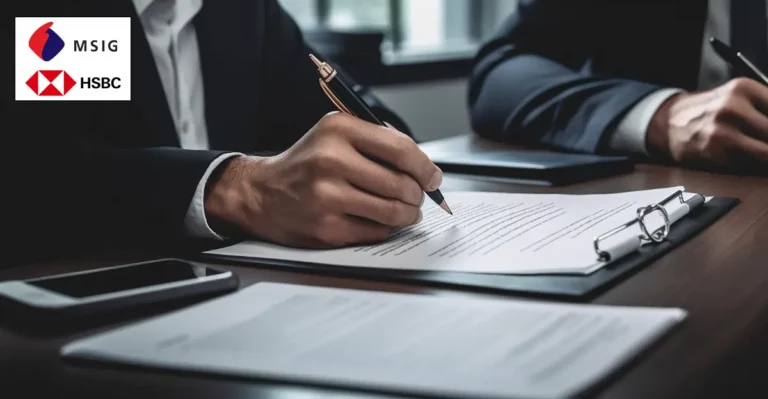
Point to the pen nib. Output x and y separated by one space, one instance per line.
446 208
316 60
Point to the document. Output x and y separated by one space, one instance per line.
497 233
399 343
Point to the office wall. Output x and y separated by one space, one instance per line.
433 110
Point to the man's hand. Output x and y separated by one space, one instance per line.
724 128
326 191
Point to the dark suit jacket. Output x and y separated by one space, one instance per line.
91 170
563 73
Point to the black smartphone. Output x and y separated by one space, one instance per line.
115 288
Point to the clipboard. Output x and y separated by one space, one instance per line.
554 286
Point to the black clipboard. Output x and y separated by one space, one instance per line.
561 287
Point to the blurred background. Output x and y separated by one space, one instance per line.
415 54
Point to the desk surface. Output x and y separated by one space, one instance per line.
720 277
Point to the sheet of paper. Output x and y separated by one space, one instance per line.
489 233
393 342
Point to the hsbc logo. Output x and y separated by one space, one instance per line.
73 59
51 83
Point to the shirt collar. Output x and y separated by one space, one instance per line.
141 5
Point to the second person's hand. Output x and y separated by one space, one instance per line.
725 128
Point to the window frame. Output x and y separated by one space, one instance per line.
401 64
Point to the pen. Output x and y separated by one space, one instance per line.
350 103
737 60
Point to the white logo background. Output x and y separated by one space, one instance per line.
79 64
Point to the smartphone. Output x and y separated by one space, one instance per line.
115 288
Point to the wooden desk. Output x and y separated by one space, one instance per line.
720 277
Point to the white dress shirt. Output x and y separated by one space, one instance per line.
170 32
714 71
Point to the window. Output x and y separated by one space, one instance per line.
413 28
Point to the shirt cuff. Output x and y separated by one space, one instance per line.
195 223
630 134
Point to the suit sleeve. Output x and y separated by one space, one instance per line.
75 197
296 101
63 193
531 83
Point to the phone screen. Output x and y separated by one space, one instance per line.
124 278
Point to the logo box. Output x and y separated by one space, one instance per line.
71 59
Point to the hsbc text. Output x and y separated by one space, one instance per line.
99 83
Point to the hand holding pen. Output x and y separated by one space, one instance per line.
326 190
345 99
724 128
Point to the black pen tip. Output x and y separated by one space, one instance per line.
446 208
